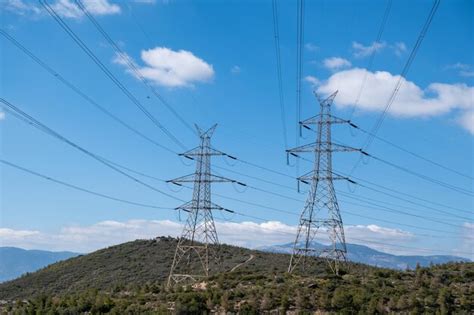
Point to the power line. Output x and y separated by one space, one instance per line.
133 66
79 92
404 194
372 55
393 190
403 74
374 206
447 168
364 199
411 172
21 115
279 74
75 187
424 177
109 74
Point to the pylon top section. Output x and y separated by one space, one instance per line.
205 134
327 101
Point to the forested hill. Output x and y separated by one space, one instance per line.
129 278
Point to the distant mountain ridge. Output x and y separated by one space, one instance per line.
366 255
15 262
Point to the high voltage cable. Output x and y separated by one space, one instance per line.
133 66
363 180
419 175
372 55
404 194
340 192
379 207
75 187
364 199
393 190
387 209
157 207
79 92
299 57
15 111
424 177
147 205
109 74
279 74
413 153
403 74
400 224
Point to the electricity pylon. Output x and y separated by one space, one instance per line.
320 215
196 253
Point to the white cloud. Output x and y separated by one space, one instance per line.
19 7
311 47
467 244
336 63
64 8
2 115
247 234
312 80
467 121
170 68
399 48
411 100
235 70
68 9
364 51
16 234
145 1
463 69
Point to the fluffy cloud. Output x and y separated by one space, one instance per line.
336 63
312 80
364 51
170 68
145 1
467 121
399 48
467 245
235 70
16 234
246 234
19 7
411 101
463 69
311 47
65 8
2 115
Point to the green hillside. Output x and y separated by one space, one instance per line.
129 278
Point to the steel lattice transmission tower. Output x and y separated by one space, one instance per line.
320 216
196 254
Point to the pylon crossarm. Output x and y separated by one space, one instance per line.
203 178
308 177
197 152
190 206
322 146
323 119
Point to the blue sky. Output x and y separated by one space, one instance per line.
215 62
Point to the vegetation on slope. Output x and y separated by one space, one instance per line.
129 278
